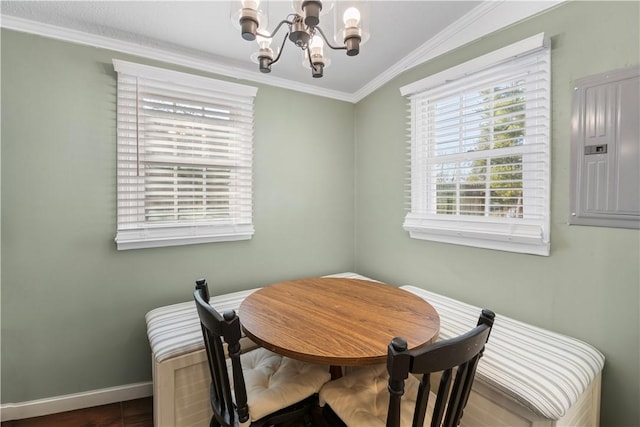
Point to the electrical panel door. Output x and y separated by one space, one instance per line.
605 151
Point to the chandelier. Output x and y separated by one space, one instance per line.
303 30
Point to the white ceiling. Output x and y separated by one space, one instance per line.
200 34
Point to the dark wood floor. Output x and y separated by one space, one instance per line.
132 413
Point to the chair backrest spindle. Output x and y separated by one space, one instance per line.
456 359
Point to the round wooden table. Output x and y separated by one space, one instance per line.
337 321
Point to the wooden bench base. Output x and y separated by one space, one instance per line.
181 391
181 398
490 407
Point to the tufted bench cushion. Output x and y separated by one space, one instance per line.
543 370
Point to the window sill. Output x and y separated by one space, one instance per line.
479 232
158 237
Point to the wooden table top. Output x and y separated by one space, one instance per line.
337 321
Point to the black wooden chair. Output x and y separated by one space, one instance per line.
373 396
265 388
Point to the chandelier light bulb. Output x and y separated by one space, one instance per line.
301 28
316 45
265 55
351 17
251 4
263 42
315 56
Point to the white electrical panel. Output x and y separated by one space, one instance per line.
605 150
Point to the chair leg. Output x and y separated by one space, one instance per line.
308 419
330 418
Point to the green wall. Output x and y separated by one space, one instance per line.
588 287
72 306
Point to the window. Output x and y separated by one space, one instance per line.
184 158
480 155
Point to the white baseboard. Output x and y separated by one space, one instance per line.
70 402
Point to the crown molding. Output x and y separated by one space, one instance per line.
488 17
484 19
201 63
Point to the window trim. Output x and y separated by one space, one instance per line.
521 236
179 233
161 236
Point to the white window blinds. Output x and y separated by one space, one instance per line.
184 158
480 153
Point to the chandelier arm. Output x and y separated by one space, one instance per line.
284 21
281 49
328 42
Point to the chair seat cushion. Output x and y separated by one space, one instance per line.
274 382
361 399
544 371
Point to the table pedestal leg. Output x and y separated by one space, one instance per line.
336 372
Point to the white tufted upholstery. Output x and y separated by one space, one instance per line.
545 371
361 397
274 382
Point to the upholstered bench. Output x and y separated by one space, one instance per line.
528 376
180 372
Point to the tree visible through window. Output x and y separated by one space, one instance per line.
489 120
480 151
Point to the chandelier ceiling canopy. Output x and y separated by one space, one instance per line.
303 29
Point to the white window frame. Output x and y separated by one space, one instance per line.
135 230
529 234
